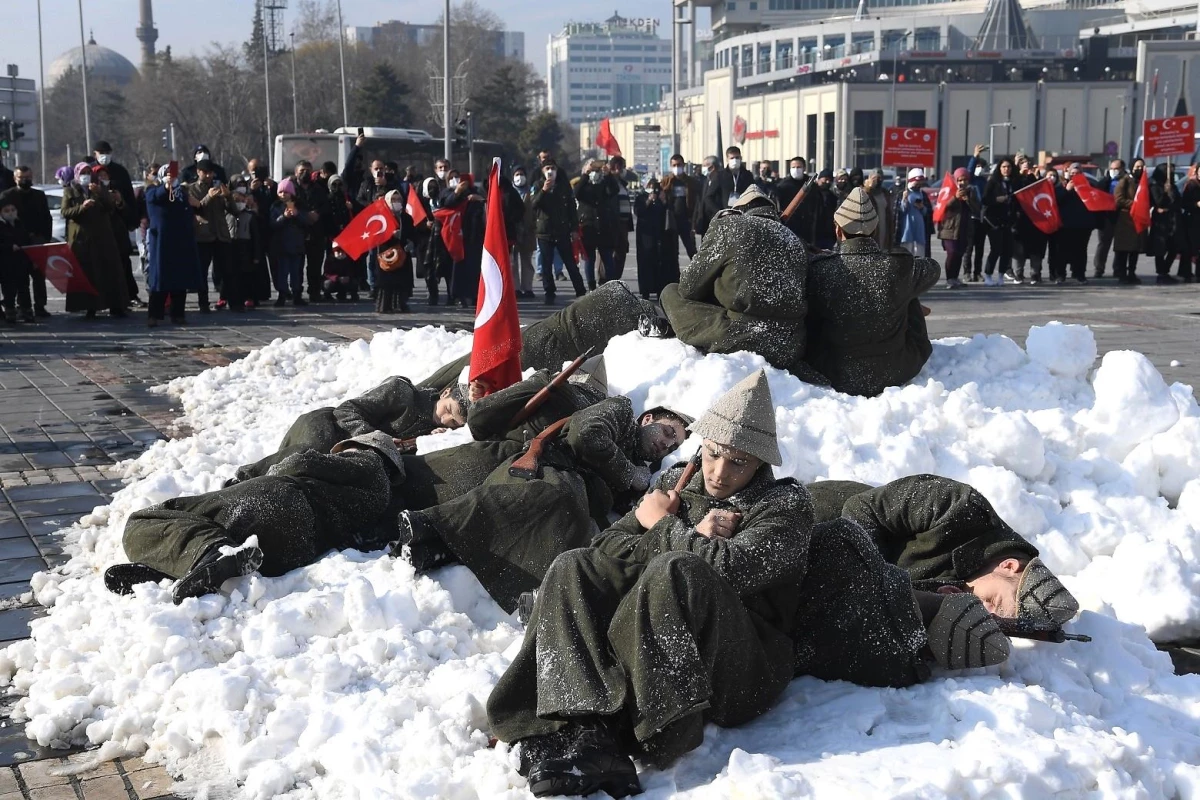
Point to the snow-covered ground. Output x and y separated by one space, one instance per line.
352 678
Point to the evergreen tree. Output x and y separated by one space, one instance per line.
503 121
380 100
542 132
253 49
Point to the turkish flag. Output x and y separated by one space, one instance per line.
373 226
605 139
59 265
452 232
496 347
1140 212
1093 199
414 207
1039 204
944 196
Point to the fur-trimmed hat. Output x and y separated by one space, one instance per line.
1042 597
744 418
856 216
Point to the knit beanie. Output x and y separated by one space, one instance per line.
856 216
744 418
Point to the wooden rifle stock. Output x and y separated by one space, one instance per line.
688 473
543 394
796 201
528 465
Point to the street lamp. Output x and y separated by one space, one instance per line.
895 68
342 62
295 104
87 120
992 137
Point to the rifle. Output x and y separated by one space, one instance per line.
408 446
529 464
797 200
688 473
1018 628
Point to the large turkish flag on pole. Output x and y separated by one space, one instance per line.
944 195
496 348
1093 199
1140 212
1039 204
59 265
373 226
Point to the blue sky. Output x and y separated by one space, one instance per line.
189 27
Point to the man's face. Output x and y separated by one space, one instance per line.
676 162
302 172
448 411
543 156
204 175
24 177
1006 169
823 181
1117 165
764 169
962 183
252 166
658 439
841 181
726 470
997 589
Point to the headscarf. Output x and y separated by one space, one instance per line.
961 172
64 175
81 168
286 186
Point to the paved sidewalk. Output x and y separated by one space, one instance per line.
75 401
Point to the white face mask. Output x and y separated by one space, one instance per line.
453 184
104 158
398 208
1114 173
595 177
9 216
1053 178
105 181
201 156
735 163
978 171
518 181
550 174
441 173
797 173
240 206
85 180
677 170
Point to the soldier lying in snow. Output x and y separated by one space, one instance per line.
509 529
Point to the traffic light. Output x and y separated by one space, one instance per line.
17 129
460 133
166 140
5 134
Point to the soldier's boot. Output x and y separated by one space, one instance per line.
525 606
217 565
121 578
418 543
593 763
533 750
654 327
963 635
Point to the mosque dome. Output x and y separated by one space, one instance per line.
102 63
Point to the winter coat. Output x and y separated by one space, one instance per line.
865 328
957 224
709 204
526 240
682 195
464 282
122 184
1165 205
555 211
786 191
595 212
1190 222
34 212
287 233
1071 210
729 185
1126 239
884 232
14 264
210 216
90 234
935 528
1029 239
998 203
912 218
816 216
173 263
656 241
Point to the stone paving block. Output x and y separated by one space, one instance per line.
12 796
8 782
39 773
98 771
64 792
20 569
150 783
17 548
111 787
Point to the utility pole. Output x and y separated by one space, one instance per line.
41 94
295 103
342 62
267 84
87 120
447 93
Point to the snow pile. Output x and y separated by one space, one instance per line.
353 678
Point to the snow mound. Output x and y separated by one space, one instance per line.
353 678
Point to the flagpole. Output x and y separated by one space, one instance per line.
342 62
87 120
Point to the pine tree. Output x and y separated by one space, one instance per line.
543 132
253 49
503 121
380 100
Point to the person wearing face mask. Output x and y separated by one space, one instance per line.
1165 204
15 266
246 263
1127 242
841 185
709 204
462 196
341 272
121 184
597 223
557 219
524 243
621 209
875 190
190 174
731 181
212 200
787 189
954 230
977 165
1069 245
34 212
681 193
88 211
816 213
375 184
999 215
172 262
1107 219
394 283
766 180
1190 226
654 268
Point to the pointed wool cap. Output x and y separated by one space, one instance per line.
744 418
856 215
592 373
1042 597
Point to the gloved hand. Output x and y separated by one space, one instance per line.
640 481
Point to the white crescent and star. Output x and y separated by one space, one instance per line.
1169 123
367 233
60 265
910 134
1048 212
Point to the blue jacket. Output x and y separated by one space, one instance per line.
977 181
173 262
911 220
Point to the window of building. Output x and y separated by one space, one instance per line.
810 151
666 60
577 86
830 140
605 59
911 119
753 5
867 144
731 6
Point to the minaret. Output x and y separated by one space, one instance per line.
147 34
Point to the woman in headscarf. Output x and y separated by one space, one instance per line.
394 283
957 225
88 209
1165 205
173 263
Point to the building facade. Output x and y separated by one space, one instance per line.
593 69
500 44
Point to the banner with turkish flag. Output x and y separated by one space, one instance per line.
910 147
944 196
606 140
414 207
373 226
1039 204
1171 136
496 347
1093 199
61 268
451 220
1140 211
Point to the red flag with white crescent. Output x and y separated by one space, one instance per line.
61 268
373 226
1040 205
451 220
414 207
496 348
1140 211
944 196
1093 199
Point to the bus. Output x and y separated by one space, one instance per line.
405 146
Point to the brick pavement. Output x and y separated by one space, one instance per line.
75 401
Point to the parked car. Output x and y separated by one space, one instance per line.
54 196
